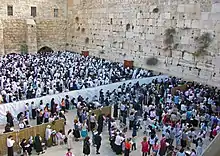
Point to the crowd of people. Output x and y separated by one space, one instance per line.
184 118
173 122
31 76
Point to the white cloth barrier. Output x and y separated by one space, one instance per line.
17 107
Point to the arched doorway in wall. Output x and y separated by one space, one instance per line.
45 50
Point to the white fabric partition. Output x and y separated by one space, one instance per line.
19 106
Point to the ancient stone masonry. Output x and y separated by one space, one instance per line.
181 37
22 29
169 30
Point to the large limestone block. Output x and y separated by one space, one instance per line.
205 15
196 24
188 23
185 40
180 8
215 8
215 16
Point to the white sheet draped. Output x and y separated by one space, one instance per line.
19 106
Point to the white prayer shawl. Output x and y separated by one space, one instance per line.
48 133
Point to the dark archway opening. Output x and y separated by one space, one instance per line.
45 50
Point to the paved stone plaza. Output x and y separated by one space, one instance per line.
105 147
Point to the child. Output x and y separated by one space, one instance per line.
69 153
155 147
133 142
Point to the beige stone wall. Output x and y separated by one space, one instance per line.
14 34
120 30
42 30
105 23
51 33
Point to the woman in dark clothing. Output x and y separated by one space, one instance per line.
76 130
26 146
38 144
115 114
86 146
10 119
100 123
52 105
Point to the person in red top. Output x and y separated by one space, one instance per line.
145 146
156 147
163 146
69 153
63 106
127 147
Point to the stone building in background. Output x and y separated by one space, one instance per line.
31 25
183 35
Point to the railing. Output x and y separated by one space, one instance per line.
27 133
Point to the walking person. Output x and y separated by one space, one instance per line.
127 148
86 146
145 146
33 110
10 144
70 137
92 122
98 140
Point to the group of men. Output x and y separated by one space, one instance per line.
35 75
186 117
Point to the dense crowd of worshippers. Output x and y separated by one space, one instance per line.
185 118
32 76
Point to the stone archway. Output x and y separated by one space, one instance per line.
45 50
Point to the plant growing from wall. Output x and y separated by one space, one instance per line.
24 48
169 40
87 40
152 61
203 43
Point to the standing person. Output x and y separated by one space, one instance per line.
67 102
48 137
70 137
131 120
10 144
63 106
127 148
69 153
86 146
115 114
155 148
199 149
163 146
100 123
9 119
33 110
76 130
92 121
133 140
84 131
145 146
98 140
38 144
